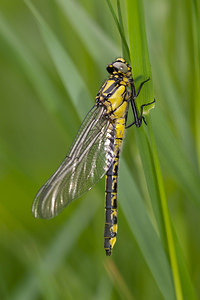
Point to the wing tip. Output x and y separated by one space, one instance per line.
40 213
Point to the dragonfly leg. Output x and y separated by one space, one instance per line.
141 117
128 126
140 87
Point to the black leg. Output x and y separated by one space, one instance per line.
128 126
140 118
139 89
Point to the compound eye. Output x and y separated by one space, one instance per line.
120 67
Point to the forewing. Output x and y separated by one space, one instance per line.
88 159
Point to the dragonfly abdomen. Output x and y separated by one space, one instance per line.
110 231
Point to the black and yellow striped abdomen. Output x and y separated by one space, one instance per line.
110 231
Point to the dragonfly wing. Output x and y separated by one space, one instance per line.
88 159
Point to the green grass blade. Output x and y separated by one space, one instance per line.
146 236
119 24
167 223
125 47
138 49
140 59
138 45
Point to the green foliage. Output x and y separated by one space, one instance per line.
53 59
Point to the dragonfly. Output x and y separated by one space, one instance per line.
95 151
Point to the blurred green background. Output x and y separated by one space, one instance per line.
50 73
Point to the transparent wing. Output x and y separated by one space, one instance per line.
88 159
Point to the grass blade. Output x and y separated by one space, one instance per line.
145 234
140 57
119 24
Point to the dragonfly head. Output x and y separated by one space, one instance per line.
119 67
